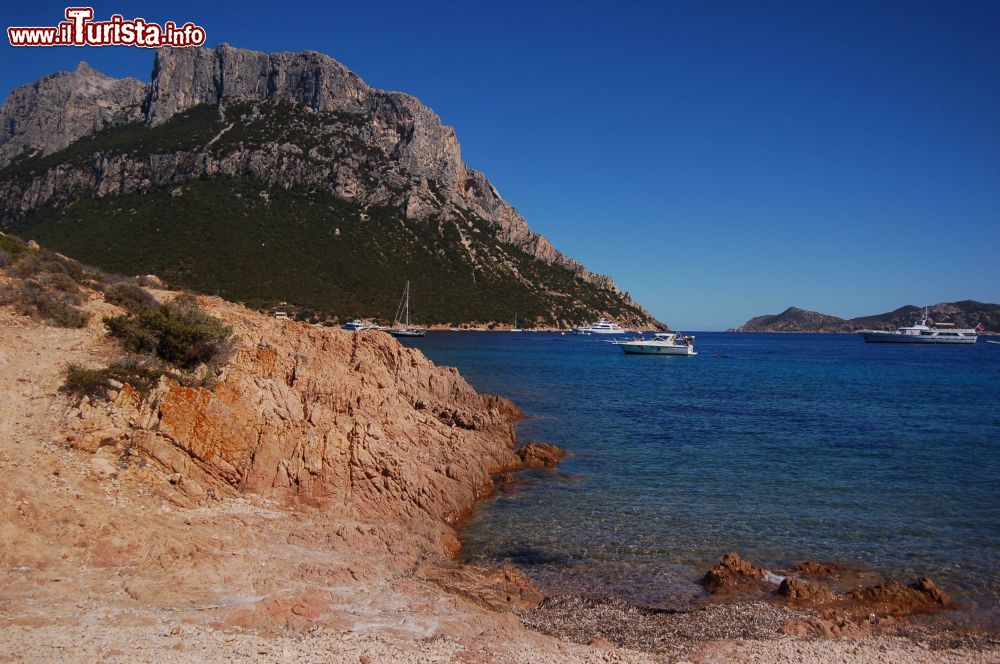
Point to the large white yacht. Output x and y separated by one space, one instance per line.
923 333
602 326
662 343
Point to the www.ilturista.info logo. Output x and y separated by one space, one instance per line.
79 29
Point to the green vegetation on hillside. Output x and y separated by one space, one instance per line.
241 124
261 245
266 245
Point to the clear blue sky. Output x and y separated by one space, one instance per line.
718 159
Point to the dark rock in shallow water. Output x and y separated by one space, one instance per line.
540 455
894 598
828 570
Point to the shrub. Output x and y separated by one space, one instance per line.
150 281
64 283
81 382
130 297
30 298
11 244
65 315
140 371
5 258
44 262
179 332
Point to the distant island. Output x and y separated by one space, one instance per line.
966 313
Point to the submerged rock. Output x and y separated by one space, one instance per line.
808 568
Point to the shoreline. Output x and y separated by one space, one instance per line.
756 610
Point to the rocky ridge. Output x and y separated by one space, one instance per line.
352 422
56 110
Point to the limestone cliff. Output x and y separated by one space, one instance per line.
49 114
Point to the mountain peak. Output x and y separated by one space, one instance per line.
299 121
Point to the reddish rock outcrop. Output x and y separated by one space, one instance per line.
806 591
733 574
540 455
826 570
844 613
894 598
344 419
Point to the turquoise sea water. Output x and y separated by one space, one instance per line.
782 447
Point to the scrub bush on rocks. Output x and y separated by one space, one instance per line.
178 332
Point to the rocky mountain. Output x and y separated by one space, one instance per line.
280 177
49 114
965 314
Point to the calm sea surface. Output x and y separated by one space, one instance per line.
782 447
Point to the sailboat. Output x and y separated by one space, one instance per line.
515 328
401 325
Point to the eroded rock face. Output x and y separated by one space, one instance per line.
322 415
49 114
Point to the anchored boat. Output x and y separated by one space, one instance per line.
602 326
357 325
401 325
662 343
923 333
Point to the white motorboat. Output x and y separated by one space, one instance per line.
923 333
662 343
602 326
357 325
